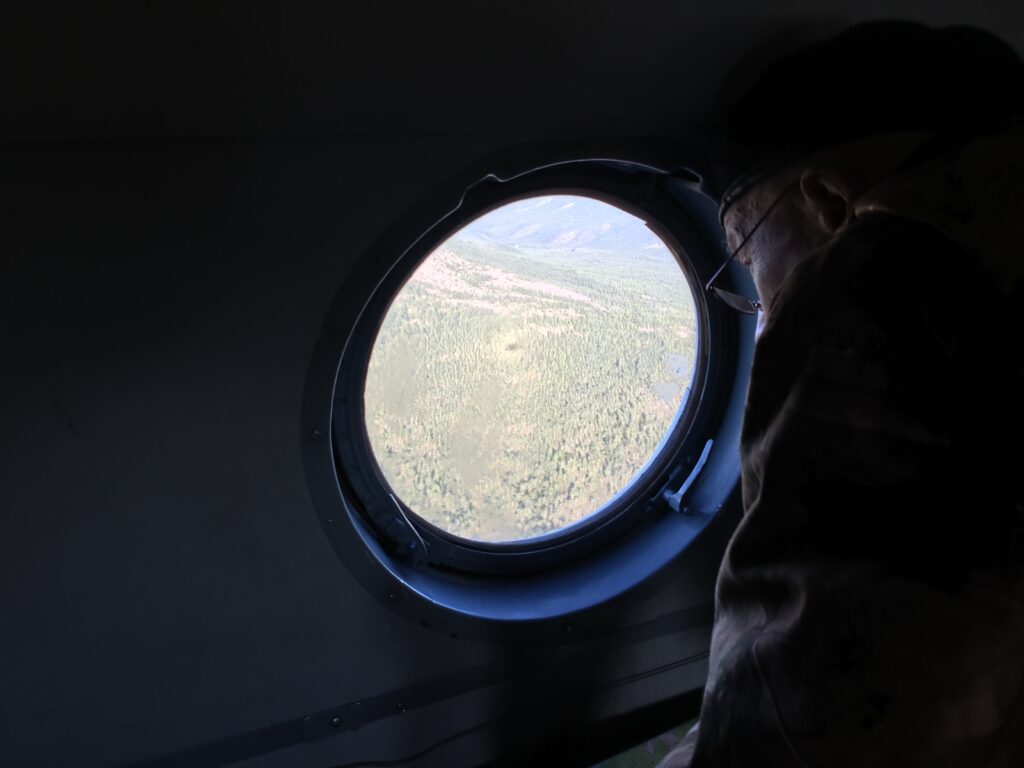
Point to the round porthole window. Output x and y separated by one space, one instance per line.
531 369
531 406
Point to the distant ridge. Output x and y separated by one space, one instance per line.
564 222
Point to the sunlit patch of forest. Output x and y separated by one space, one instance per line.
514 389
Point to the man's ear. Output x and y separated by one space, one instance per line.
829 196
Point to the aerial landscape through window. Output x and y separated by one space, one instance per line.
530 368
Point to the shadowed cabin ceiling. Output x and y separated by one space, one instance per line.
152 70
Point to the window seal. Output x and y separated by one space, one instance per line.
637 194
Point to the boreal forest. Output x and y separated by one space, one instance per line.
530 368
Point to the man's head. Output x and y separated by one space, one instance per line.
813 200
822 127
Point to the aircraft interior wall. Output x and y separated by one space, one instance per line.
186 191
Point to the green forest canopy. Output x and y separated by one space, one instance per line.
530 368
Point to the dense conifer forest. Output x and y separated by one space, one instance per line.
527 372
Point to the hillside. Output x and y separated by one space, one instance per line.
518 383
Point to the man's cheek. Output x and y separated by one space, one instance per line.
765 273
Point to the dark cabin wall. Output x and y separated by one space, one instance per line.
184 190
165 581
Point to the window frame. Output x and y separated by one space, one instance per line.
449 578
396 520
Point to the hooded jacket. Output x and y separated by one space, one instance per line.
870 605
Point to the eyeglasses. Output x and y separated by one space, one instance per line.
738 301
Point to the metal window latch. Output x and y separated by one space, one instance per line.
409 539
674 498
398 530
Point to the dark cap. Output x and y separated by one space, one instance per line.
877 77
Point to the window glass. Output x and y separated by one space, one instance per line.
530 368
